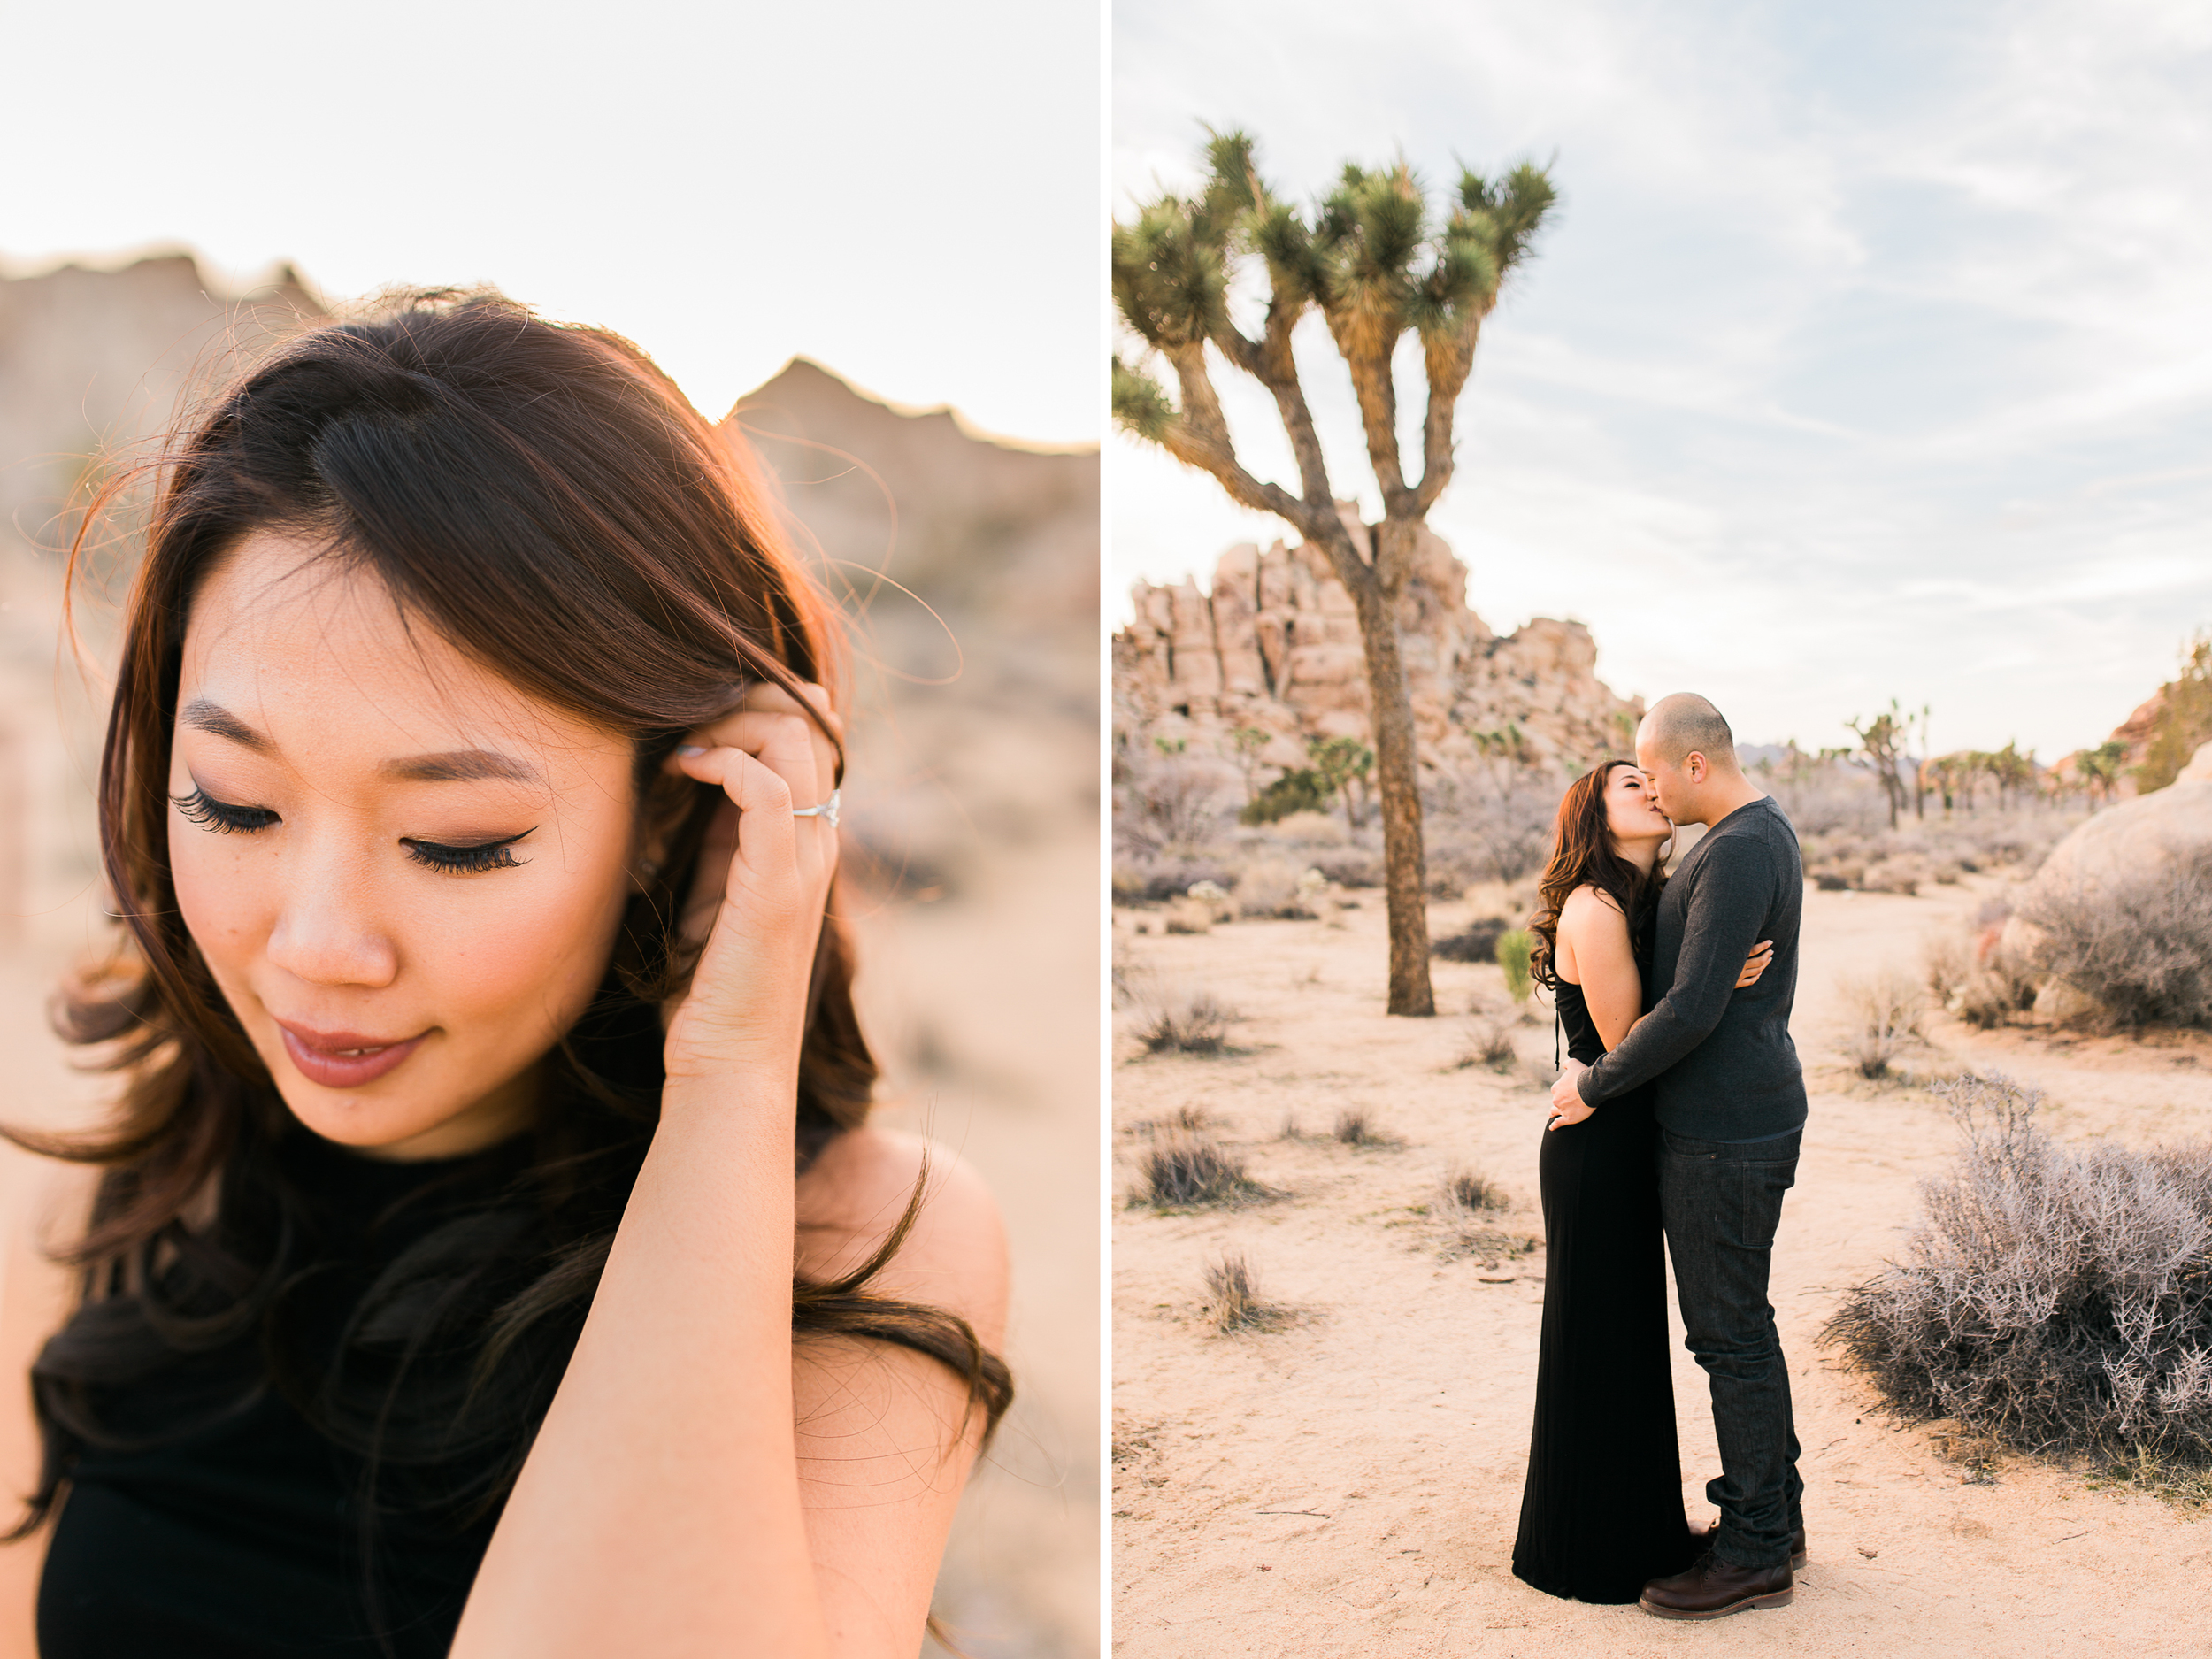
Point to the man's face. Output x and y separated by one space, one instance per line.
1671 783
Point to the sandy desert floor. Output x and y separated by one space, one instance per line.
1350 1484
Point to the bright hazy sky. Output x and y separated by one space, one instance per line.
1869 353
908 192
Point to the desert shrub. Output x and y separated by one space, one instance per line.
1308 829
1478 942
1829 881
1186 1022
1174 801
1901 872
1151 880
1190 914
1271 887
1513 954
1233 1299
1352 867
1885 1008
1303 790
1472 1194
1945 960
1185 1170
1490 1044
2052 1298
2141 946
1355 1128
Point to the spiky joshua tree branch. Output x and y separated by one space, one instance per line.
1377 261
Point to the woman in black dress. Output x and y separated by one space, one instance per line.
1601 1512
487 1252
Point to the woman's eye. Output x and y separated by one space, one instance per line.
220 815
499 854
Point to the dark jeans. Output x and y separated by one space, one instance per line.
1721 1202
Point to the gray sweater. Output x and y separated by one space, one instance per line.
1723 1059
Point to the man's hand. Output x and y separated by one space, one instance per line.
1566 1097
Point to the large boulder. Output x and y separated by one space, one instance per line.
2101 912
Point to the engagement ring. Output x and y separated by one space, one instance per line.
827 811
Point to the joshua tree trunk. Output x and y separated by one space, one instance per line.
1397 790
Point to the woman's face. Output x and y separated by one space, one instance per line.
1632 807
404 873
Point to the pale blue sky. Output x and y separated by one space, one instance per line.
1869 353
908 192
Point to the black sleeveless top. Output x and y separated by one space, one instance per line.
243 1537
1583 1041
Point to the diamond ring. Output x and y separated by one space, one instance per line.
827 811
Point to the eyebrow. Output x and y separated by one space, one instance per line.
459 765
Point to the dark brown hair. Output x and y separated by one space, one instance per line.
544 498
1582 855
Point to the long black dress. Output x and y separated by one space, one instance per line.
1601 1512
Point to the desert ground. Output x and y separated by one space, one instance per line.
1349 1483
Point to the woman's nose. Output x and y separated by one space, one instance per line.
327 933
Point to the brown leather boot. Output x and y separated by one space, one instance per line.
1715 1588
1711 1536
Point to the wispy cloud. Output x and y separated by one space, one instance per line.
1871 354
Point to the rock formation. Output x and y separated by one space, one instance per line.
1274 645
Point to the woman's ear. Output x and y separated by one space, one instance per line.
667 799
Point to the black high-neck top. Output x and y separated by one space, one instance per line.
243 1537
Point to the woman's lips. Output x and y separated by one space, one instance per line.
344 1059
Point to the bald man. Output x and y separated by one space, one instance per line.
1729 1098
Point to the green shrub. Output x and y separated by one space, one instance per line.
1513 949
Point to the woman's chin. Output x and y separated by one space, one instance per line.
397 1130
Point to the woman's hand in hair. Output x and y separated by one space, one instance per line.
757 904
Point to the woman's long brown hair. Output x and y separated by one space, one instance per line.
1582 855
544 498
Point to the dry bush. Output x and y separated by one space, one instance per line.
1351 867
1355 1128
1144 880
1183 1120
1901 872
1513 952
1233 1299
1174 801
1490 1044
1186 1022
1478 942
2052 1298
1191 915
1473 1194
1270 887
2140 947
1885 1008
1182 1169
1945 960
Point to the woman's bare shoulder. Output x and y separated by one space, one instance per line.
853 1195
1588 902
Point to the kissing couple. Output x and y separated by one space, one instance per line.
1678 1115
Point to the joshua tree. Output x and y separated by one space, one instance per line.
1881 740
2099 770
1379 263
1343 764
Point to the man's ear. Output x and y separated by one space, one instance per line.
1693 766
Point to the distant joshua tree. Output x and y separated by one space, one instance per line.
1377 262
1882 740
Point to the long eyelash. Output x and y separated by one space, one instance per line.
220 815
467 860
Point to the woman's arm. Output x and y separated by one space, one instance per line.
885 1437
39 1202
665 1508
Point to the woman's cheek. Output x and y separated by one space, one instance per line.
526 964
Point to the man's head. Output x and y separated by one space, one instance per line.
1691 755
